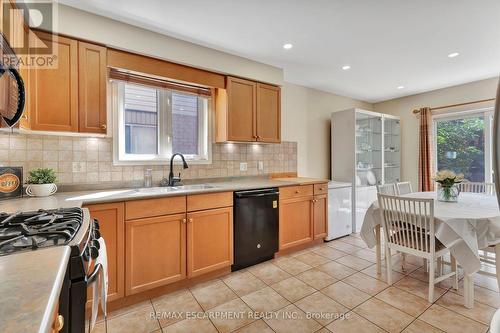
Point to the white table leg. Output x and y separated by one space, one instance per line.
497 263
469 291
378 248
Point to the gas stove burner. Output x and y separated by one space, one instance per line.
43 228
30 241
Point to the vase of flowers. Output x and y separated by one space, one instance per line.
448 189
41 183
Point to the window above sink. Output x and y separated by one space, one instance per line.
152 122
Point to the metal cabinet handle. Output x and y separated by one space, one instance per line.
184 221
59 323
297 191
190 220
103 126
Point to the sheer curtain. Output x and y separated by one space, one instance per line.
425 182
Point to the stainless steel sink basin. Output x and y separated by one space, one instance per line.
194 187
167 189
155 190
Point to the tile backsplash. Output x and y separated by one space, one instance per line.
78 160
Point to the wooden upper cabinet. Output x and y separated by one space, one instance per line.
155 252
53 93
241 106
112 228
92 87
248 111
268 113
209 240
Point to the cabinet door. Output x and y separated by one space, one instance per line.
155 252
92 88
53 93
112 228
241 106
296 221
268 113
320 216
210 240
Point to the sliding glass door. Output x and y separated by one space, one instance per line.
462 143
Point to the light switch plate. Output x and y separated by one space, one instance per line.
243 166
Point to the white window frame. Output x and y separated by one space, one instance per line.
487 114
163 156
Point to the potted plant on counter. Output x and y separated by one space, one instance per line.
41 183
448 189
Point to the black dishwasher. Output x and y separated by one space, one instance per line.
255 226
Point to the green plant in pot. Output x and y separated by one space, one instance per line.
41 182
448 189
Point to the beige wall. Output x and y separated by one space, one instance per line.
80 24
306 120
403 107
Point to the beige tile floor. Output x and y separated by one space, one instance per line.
332 287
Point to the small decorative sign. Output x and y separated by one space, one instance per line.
11 185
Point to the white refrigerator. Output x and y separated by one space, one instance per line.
339 209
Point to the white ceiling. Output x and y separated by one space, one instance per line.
387 43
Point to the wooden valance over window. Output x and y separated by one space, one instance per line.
137 78
129 62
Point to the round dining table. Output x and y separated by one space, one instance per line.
464 227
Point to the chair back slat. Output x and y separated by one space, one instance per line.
477 187
408 222
387 189
403 188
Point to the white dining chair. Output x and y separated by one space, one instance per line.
490 257
389 189
409 228
404 188
477 187
495 322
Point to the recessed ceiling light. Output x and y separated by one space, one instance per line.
287 46
453 55
346 67
400 87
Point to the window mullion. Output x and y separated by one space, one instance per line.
165 128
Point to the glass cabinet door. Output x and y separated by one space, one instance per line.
392 153
368 149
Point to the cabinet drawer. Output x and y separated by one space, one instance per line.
154 207
209 201
296 191
320 188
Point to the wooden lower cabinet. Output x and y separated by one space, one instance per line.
155 252
111 226
320 214
296 222
209 240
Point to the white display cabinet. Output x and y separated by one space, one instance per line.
366 151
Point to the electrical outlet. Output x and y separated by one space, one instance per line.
260 165
243 166
79 166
